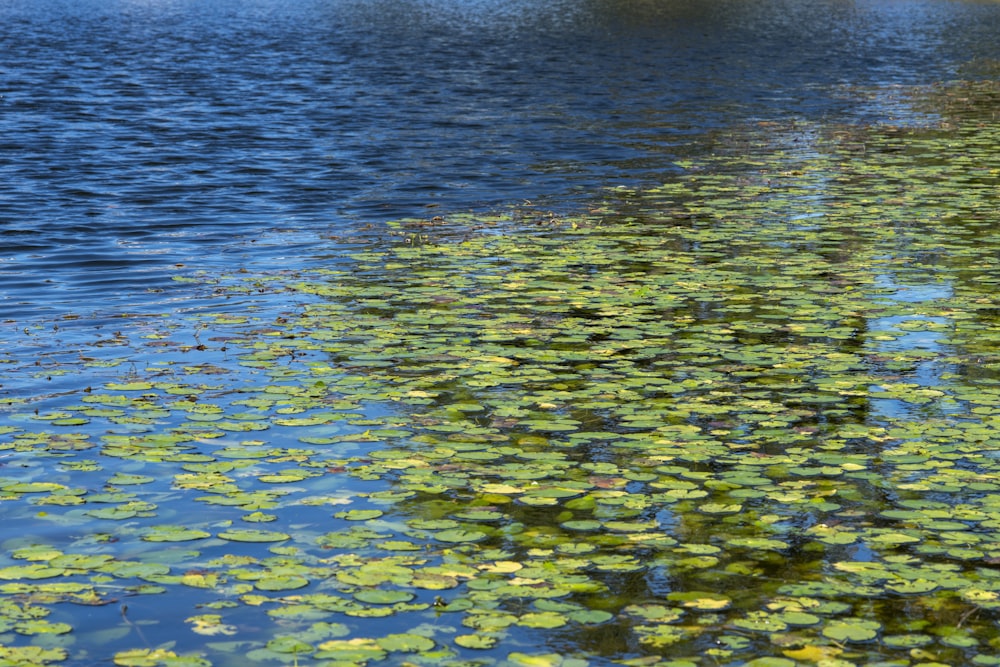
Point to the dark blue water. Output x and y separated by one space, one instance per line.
140 135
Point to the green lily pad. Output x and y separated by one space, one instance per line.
350 650
761 622
41 627
855 630
359 515
476 641
144 657
280 582
250 535
383 596
25 656
405 643
174 534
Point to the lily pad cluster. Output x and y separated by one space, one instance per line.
746 417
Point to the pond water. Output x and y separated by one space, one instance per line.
138 135
499 333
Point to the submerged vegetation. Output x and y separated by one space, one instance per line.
747 417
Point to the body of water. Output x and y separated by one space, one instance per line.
136 136
717 383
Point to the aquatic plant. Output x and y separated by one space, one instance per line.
746 417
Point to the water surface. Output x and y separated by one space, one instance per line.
464 330
136 136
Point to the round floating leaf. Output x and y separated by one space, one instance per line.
359 515
761 622
480 515
405 643
123 479
143 657
289 645
960 640
280 582
33 487
42 627
30 656
174 534
35 571
129 386
380 596
545 619
210 625
477 641
701 600
799 618
720 508
653 612
852 629
907 641
758 543
250 535
582 524
814 653
349 650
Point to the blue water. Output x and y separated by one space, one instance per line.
147 140
143 139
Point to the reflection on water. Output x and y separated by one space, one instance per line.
748 396
141 135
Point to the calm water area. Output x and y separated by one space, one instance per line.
239 394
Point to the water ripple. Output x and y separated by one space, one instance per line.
136 136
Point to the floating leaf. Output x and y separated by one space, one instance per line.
143 657
174 534
280 582
29 656
249 535
705 601
359 515
383 596
405 643
476 641
210 625
857 630
41 627
289 645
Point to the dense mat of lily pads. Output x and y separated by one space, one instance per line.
748 417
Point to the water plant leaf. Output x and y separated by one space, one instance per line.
18 656
210 625
477 641
41 627
250 535
383 596
144 657
359 515
280 582
629 418
405 643
857 630
174 534
357 650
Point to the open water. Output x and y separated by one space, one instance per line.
145 139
